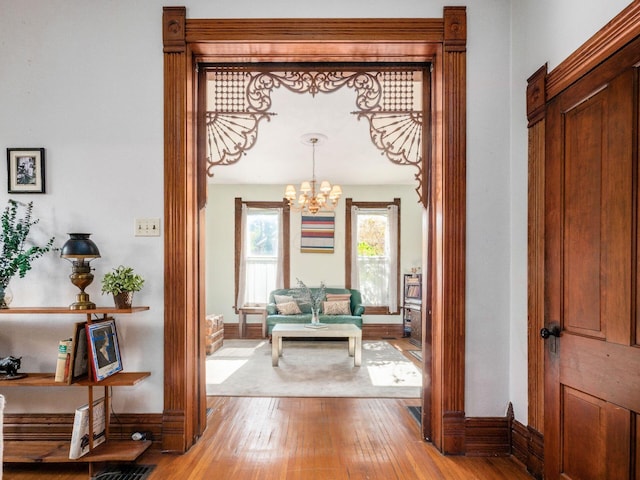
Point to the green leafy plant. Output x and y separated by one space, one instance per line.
17 252
121 279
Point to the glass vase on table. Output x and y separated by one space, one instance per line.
315 319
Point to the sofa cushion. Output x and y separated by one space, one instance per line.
288 308
283 298
336 297
336 308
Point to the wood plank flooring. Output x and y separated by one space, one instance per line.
305 439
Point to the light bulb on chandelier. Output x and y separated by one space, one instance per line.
327 196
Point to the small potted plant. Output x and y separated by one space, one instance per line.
121 283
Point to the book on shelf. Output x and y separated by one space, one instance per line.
64 360
81 432
413 291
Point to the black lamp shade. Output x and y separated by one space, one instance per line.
79 246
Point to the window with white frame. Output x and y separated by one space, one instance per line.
262 251
373 236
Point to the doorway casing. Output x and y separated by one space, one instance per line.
439 42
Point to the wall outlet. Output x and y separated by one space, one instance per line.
147 227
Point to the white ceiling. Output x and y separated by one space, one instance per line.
348 157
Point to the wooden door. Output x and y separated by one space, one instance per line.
592 369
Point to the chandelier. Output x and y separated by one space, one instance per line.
326 198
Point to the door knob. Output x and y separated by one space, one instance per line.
546 333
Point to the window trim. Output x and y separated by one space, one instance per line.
349 202
286 239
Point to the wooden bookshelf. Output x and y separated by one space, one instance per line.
120 379
53 451
412 307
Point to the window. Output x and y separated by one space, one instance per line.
262 250
373 253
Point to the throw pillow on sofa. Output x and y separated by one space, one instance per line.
283 298
288 308
337 297
336 308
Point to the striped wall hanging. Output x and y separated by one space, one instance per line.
317 233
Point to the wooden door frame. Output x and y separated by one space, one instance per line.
440 42
542 87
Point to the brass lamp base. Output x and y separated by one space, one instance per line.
82 303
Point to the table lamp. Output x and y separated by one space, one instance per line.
80 250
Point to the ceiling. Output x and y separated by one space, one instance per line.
348 157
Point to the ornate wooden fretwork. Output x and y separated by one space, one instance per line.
238 99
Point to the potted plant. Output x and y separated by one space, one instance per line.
17 251
121 283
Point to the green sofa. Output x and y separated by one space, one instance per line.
274 318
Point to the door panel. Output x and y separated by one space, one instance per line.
592 370
583 214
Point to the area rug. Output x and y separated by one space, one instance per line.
316 368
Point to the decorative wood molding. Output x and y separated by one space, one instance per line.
311 29
455 29
315 40
184 352
487 437
375 331
609 39
58 427
527 446
173 29
536 98
535 274
451 335
453 433
535 451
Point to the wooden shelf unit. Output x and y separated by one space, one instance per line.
37 451
412 307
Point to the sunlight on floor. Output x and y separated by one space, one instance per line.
219 369
394 374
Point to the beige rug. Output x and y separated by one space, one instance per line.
311 369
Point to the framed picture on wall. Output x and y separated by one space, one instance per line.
25 169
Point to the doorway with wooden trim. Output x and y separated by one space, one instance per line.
440 42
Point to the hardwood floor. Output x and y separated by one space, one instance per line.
305 439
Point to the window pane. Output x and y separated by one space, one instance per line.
373 259
262 235
261 279
262 256
372 238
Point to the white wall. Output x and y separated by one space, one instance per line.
543 31
310 268
84 80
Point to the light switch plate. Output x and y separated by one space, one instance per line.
147 227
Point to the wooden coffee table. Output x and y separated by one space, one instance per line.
353 333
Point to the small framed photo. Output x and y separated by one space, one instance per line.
79 355
104 351
25 168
